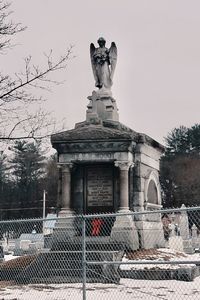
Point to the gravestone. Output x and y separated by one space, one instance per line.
185 232
104 166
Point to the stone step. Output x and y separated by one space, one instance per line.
71 279
92 243
69 264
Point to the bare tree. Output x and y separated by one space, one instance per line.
17 94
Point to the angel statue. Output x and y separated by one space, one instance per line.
103 63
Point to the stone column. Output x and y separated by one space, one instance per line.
124 227
124 184
66 187
65 224
59 190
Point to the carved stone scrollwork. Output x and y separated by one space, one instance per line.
67 167
124 165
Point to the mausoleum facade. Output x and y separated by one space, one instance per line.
107 167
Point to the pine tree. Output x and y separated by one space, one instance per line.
27 168
180 167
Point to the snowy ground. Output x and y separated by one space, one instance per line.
9 257
128 289
162 254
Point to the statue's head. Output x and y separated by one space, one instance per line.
101 41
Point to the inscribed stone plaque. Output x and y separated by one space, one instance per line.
99 186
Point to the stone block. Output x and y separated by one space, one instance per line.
151 234
139 217
103 106
124 231
187 273
187 246
176 243
153 217
149 161
139 184
196 243
148 151
64 228
24 244
145 171
123 156
138 199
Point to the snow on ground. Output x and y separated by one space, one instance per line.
128 289
8 257
162 254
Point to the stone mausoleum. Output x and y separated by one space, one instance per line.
107 167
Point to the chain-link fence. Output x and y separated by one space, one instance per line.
138 255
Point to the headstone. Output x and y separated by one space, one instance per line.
194 231
176 243
195 238
184 232
184 224
24 245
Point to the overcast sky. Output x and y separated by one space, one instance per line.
156 82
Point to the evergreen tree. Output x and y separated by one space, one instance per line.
177 141
2 183
180 167
27 167
51 182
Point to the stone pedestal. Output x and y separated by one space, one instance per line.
176 243
102 107
124 231
187 246
150 234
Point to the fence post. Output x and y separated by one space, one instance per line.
84 258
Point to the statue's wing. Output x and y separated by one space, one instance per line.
92 51
113 58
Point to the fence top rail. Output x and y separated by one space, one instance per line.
26 220
104 215
146 212
150 262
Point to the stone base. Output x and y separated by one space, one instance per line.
187 247
64 265
196 242
184 273
64 227
176 243
102 106
124 231
151 234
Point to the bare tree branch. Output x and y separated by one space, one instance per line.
17 97
7 28
34 74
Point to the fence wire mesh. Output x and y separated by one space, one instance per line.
144 255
